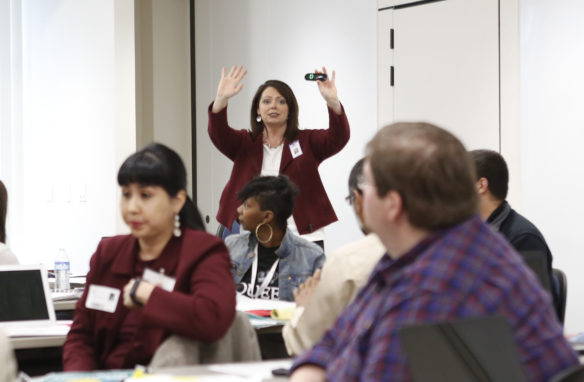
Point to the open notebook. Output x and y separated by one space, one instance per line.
26 307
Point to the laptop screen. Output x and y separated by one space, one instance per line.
23 296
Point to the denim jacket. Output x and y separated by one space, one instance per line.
299 258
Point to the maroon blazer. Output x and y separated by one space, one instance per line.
201 306
312 209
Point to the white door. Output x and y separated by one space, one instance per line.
445 68
385 33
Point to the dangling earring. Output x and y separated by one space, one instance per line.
176 232
259 118
269 238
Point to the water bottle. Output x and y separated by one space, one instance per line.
62 267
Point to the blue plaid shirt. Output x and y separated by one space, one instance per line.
464 271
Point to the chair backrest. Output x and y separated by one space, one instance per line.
572 374
239 344
223 231
538 262
562 292
470 349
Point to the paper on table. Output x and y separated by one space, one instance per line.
103 376
184 378
260 323
246 304
61 328
256 370
77 280
284 314
73 294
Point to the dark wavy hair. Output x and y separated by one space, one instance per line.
3 211
158 165
292 128
273 193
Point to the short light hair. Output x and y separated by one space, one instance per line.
430 169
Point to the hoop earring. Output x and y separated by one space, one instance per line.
269 238
259 118
176 231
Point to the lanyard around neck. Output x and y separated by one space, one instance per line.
254 273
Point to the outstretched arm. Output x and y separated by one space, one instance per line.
229 85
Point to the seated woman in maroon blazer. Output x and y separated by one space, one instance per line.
167 277
275 145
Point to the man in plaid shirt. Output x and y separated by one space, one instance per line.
442 263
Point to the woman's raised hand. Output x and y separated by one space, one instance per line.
328 90
229 85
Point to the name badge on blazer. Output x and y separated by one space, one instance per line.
102 298
159 279
295 149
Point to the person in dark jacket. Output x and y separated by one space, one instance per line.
492 186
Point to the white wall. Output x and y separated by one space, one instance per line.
68 75
163 80
285 40
64 192
125 88
10 95
552 124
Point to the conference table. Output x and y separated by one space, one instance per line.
244 370
38 355
233 372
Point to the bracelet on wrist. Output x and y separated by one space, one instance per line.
133 291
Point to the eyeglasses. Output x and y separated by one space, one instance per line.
351 198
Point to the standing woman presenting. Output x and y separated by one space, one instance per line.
275 145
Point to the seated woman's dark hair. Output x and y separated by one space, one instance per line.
158 165
273 193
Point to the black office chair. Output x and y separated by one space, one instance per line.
220 231
469 349
223 231
561 283
537 261
572 374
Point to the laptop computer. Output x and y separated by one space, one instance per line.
26 306
472 349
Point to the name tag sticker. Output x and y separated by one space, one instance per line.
159 279
295 149
102 298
